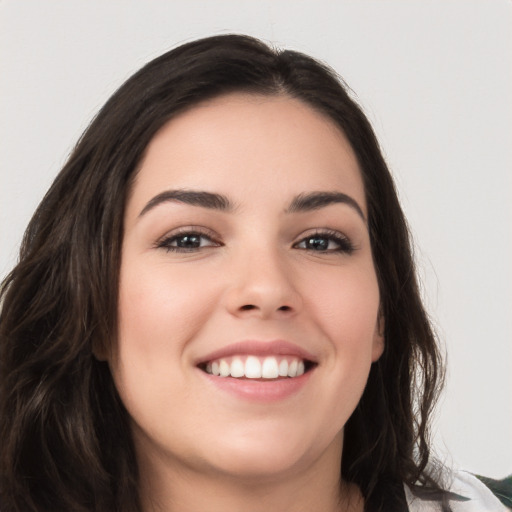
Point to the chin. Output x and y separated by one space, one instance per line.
263 456
259 464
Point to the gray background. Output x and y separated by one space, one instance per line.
434 78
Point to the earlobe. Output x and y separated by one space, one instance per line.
379 341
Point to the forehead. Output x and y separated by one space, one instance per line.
240 143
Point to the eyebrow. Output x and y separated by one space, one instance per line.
193 197
316 200
302 203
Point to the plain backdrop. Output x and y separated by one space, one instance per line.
435 79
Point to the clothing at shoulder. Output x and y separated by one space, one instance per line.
473 496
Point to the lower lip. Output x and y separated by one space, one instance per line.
260 390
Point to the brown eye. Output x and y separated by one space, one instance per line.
187 242
328 242
316 243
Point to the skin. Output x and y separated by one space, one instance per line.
253 277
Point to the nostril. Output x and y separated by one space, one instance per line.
251 307
248 307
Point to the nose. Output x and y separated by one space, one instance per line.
263 285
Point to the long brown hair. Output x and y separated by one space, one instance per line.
66 442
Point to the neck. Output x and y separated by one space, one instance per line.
168 486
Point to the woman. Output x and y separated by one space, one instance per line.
218 294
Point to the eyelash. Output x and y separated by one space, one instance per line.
344 245
165 243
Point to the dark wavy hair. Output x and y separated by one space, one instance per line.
65 437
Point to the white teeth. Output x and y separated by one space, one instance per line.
283 368
224 368
270 370
292 369
270 367
237 368
253 368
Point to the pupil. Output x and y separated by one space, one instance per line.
318 243
189 241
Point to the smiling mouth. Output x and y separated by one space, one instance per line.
265 368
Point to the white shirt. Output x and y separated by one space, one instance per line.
481 499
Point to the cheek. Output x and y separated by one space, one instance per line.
343 306
160 311
160 305
346 306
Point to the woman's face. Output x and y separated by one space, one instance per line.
246 260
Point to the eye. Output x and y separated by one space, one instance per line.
326 242
187 241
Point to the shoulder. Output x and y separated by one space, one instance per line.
467 494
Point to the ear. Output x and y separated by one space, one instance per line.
378 338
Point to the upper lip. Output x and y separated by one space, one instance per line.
259 348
